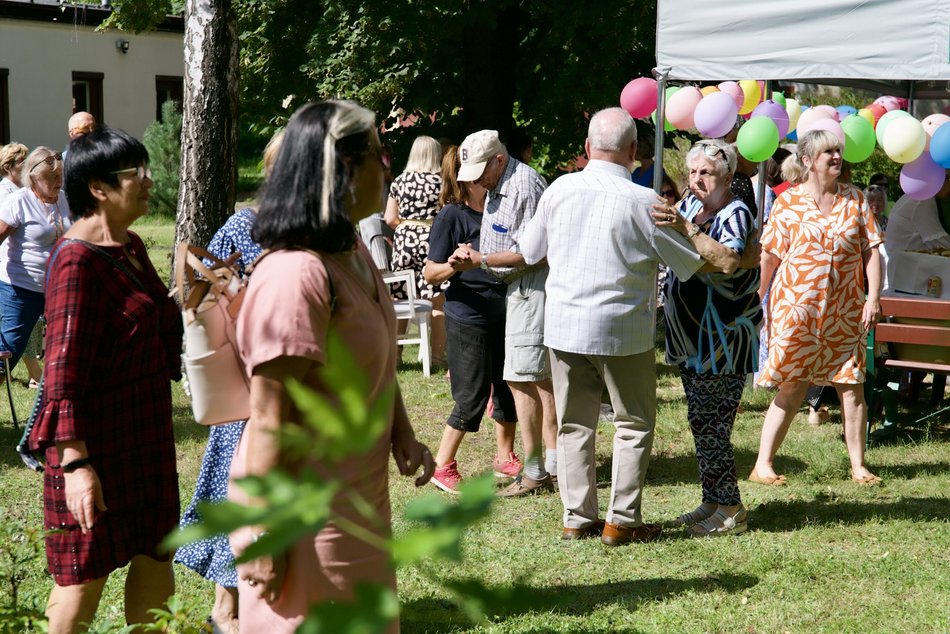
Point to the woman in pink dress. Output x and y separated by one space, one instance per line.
319 282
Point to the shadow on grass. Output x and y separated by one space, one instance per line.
684 469
185 426
825 510
436 615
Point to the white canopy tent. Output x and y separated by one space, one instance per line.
891 46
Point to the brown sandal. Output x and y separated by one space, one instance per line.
775 481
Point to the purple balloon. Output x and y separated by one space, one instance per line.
922 179
715 115
776 112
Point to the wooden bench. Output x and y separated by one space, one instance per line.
917 333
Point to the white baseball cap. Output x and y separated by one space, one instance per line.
476 150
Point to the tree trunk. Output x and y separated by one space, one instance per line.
209 127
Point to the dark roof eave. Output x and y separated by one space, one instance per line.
74 15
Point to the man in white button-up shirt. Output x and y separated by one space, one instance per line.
602 246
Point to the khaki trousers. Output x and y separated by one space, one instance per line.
579 381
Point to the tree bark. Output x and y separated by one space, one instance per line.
209 127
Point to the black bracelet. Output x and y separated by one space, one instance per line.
69 467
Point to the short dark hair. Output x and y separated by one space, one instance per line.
94 156
302 205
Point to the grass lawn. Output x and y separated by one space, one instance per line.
822 554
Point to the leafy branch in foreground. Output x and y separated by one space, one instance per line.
294 505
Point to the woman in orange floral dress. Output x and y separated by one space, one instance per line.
821 245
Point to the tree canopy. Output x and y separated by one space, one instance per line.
467 64
471 63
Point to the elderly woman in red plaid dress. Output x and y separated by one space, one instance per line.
105 423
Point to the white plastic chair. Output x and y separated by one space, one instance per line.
376 235
415 311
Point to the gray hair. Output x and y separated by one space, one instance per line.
425 156
723 155
811 145
36 157
611 130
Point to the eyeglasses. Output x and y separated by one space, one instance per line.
667 192
49 160
141 172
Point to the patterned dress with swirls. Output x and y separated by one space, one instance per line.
817 293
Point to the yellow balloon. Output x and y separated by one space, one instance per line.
794 112
750 88
708 90
867 115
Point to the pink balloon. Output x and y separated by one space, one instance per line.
681 106
776 112
831 125
639 97
931 124
715 115
889 103
922 178
810 116
829 110
734 90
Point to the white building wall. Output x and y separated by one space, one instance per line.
42 57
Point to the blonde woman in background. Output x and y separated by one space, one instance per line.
821 244
412 206
12 157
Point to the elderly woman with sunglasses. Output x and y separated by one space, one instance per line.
105 420
712 321
31 220
821 245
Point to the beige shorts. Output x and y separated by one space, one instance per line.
526 357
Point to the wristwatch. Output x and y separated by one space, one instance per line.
693 231
484 263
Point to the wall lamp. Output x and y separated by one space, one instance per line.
122 45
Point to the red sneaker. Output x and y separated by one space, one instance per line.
508 468
448 477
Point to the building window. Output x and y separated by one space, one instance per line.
168 88
87 94
4 107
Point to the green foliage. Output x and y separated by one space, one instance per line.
300 504
558 60
21 550
162 139
136 16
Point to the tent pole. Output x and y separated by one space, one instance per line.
911 96
760 179
661 76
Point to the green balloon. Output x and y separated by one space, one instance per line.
778 97
859 139
666 122
758 139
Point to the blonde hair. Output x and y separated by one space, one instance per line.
10 155
811 145
271 150
425 155
36 157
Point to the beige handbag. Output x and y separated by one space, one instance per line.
218 385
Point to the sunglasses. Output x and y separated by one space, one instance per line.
49 160
141 172
667 192
711 150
